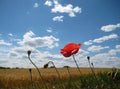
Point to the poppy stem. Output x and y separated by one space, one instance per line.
38 72
55 69
46 65
68 72
30 71
91 67
77 65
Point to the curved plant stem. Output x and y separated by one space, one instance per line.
69 73
77 65
55 69
81 80
91 68
38 72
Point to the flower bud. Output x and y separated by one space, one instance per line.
29 52
88 57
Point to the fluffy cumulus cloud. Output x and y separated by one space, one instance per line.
48 3
101 39
105 38
109 28
36 42
108 59
58 18
59 8
95 48
18 53
2 42
115 51
105 60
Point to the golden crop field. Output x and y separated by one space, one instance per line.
46 73
18 77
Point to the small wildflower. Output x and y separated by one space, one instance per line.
70 49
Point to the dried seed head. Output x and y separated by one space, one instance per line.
92 64
46 65
29 52
109 74
30 70
88 57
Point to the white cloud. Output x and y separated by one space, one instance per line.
58 8
101 39
48 3
108 59
117 46
36 5
82 53
36 42
115 51
10 34
49 30
38 57
104 38
2 42
105 60
58 18
95 48
16 56
88 42
109 28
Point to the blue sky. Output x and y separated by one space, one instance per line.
46 26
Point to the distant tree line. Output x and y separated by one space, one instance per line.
4 67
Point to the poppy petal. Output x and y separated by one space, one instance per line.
70 49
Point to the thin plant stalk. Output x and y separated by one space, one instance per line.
57 73
90 66
30 71
92 69
81 80
46 65
77 65
29 52
55 69
69 81
69 72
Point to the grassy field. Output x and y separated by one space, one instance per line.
48 74
22 79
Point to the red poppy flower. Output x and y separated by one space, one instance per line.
70 49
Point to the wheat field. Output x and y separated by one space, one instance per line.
14 78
